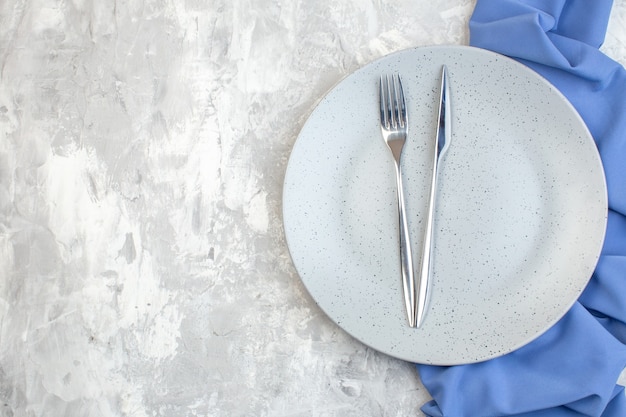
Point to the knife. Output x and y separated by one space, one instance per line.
442 140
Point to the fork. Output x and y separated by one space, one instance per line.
394 128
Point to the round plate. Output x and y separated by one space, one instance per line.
521 210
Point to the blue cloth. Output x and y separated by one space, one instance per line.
572 369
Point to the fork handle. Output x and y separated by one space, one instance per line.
406 257
425 267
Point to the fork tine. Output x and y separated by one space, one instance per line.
383 101
391 102
402 110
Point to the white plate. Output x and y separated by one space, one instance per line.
521 212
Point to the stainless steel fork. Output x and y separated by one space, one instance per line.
394 128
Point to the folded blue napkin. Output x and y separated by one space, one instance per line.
572 369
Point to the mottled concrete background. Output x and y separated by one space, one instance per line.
143 269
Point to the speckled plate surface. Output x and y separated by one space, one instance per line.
521 211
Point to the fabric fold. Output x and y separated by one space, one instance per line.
572 369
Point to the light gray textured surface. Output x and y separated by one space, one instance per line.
143 269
